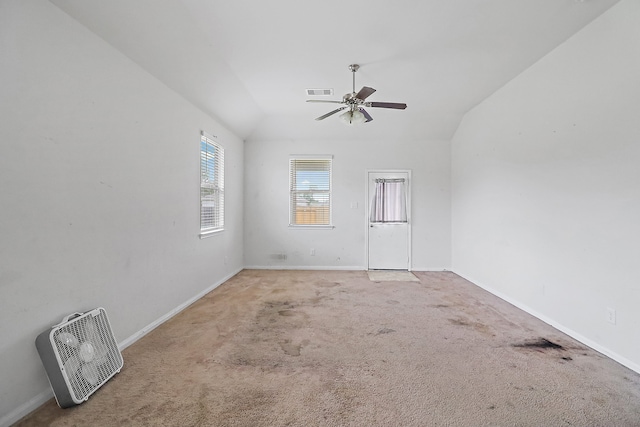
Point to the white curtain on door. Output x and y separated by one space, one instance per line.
389 202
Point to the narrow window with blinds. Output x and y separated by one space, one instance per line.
310 191
211 185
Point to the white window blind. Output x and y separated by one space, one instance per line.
211 185
310 191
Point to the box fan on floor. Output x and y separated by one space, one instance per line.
80 354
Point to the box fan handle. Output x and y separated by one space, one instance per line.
65 319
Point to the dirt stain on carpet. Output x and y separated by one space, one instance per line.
289 348
539 344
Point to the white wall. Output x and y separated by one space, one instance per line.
546 187
267 202
99 177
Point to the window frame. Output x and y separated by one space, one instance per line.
293 159
218 183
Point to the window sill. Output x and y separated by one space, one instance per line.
312 227
210 233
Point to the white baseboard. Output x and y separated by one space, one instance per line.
38 400
330 267
305 267
573 334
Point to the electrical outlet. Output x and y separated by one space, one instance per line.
312 252
611 315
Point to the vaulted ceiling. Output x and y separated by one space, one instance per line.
248 62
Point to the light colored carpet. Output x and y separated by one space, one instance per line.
391 276
332 348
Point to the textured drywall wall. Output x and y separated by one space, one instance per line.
267 202
546 187
99 184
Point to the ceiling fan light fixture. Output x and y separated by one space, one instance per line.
353 117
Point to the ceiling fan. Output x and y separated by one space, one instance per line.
354 103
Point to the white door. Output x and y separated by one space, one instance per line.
388 220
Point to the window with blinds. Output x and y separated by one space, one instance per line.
211 185
310 191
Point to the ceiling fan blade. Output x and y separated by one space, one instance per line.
330 113
325 101
366 115
365 92
396 105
